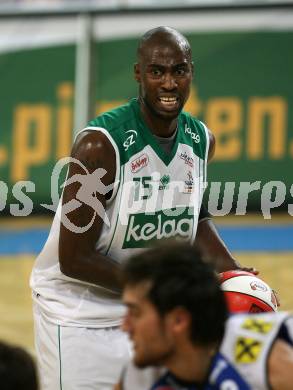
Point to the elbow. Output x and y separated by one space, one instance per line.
65 268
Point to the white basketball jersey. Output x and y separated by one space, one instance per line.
155 196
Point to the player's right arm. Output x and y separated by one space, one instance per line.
78 256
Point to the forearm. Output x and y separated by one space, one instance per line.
96 269
213 248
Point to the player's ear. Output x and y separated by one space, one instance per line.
192 68
137 72
180 320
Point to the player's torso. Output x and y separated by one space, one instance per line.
158 195
149 185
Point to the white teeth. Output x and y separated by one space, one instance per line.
168 99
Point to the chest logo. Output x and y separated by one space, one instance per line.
130 140
247 350
188 160
139 163
143 228
165 180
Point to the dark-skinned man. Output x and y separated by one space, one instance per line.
136 177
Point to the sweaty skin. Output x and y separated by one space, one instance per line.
164 73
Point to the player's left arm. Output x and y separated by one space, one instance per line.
208 239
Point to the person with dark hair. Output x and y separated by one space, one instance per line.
177 319
17 369
137 175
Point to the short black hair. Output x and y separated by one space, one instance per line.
163 34
180 278
17 369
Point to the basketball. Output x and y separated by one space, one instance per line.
247 293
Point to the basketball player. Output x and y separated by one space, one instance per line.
177 317
137 177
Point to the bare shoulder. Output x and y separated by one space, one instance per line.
94 150
280 366
94 146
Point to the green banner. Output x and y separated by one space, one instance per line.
242 90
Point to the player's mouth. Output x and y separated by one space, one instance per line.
169 102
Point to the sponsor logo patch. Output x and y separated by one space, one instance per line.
247 350
143 228
130 140
139 163
257 325
188 160
165 180
189 183
193 135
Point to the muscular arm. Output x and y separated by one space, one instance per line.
78 256
213 247
280 366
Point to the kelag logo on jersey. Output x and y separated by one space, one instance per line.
143 228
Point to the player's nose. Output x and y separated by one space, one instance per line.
169 82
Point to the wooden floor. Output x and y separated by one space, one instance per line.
16 323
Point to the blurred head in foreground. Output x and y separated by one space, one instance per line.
174 302
17 369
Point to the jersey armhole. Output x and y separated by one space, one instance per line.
206 153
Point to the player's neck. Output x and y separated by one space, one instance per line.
161 127
191 364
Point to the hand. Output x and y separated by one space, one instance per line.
275 294
249 269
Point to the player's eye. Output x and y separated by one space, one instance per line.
181 71
156 72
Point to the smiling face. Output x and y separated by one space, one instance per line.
150 333
164 72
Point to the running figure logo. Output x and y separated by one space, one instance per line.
90 185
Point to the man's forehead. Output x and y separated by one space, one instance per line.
167 54
133 294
